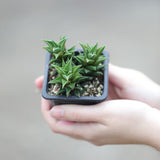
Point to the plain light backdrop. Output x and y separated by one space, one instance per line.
130 29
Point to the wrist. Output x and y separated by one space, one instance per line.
153 131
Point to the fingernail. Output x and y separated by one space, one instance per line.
57 112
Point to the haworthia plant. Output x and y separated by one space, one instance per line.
69 79
71 71
58 50
91 59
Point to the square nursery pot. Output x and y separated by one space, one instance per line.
84 100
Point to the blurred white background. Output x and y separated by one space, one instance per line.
129 29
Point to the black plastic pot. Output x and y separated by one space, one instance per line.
85 100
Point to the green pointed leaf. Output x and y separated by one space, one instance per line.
85 78
88 46
80 59
51 44
77 93
48 49
68 90
100 59
83 47
89 61
67 77
61 54
90 56
86 71
94 48
63 63
54 44
59 69
77 76
56 80
60 91
64 82
62 42
97 73
75 68
56 56
68 66
72 85
52 60
93 68
101 66
100 50
56 50
67 54
72 49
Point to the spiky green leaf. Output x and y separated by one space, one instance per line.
80 59
71 85
71 50
75 68
77 93
60 91
100 59
64 82
68 90
56 80
68 66
94 48
101 66
50 43
92 68
59 69
100 50
48 49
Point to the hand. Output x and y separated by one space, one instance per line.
131 84
115 126
111 122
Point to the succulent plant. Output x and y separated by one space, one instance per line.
58 50
91 59
71 70
69 79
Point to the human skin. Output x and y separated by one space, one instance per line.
130 115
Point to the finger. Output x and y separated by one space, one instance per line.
78 113
73 129
39 82
112 94
45 109
45 105
117 75
76 130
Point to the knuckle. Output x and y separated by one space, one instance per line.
75 115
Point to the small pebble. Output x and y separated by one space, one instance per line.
97 95
101 86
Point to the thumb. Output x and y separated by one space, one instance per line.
39 82
117 75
